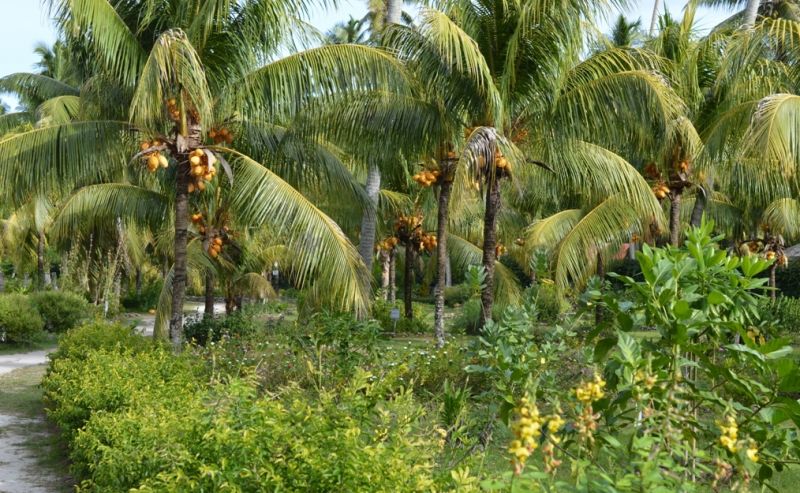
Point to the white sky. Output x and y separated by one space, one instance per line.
27 23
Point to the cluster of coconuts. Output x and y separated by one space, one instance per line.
427 178
173 110
409 232
388 244
682 167
427 243
153 158
202 170
500 250
215 246
661 191
220 135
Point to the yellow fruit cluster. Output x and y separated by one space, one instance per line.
683 166
427 243
661 191
527 429
729 434
427 178
202 170
500 250
501 162
388 244
589 392
153 158
215 246
220 135
173 110
407 224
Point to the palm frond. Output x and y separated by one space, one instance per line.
783 217
464 253
320 249
58 110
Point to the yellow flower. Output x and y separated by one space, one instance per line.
555 423
752 452
729 443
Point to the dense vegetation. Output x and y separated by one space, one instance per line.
479 233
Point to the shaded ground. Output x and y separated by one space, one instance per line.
31 460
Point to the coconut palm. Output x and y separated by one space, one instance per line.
200 67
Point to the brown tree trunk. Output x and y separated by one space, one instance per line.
179 266
208 310
408 282
40 279
441 259
393 275
675 218
489 245
601 273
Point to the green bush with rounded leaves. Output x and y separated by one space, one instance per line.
61 310
20 322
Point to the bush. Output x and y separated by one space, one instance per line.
457 295
61 310
469 317
784 313
100 335
381 311
145 300
545 303
239 324
20 322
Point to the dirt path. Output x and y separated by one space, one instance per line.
31 461
11 362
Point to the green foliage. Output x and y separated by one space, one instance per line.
61 310
544 303
202 330
457 295
705 400
381 311
784 313
20 322
468 317
99 335
144 301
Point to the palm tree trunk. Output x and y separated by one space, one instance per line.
654 19
601 273
208 310
750 14
489 245
408 282
366 244
2 280
40 261
441 259
179 266
393 275
700 201
773 281
675 218
393 11
384 256
138 282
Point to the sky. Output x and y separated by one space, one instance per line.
27 23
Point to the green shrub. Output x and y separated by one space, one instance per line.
104 380
147 299
100 335
381 311
239 324
545 303
457 295
61 310
20 322
784 313
468 319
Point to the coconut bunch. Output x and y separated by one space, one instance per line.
427 178
407 226
215 246
661 190
220 135
388 244
152 156
202 169
426 242
173 110
682 167
500 250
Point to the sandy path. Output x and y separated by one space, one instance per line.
19 466
10 362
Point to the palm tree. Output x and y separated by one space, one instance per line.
624 34
654 19
185 74
349 32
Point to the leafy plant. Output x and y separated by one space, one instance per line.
61 310
20 322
